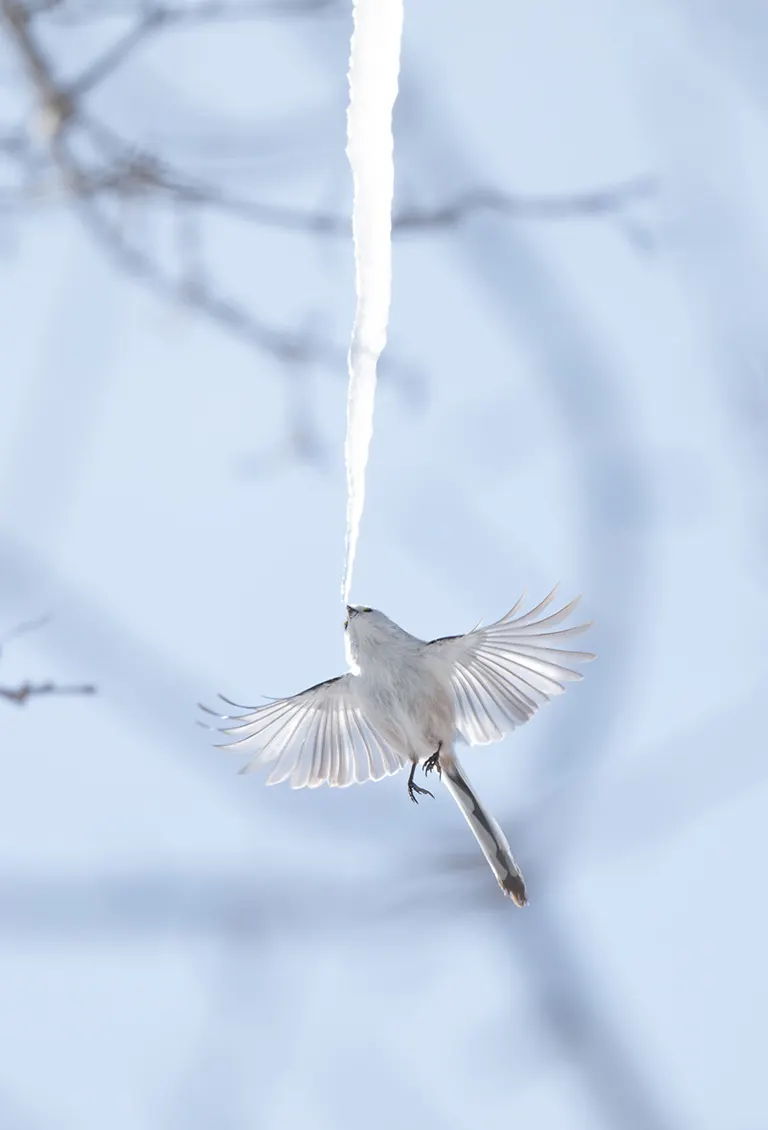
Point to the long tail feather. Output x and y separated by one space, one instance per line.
486 831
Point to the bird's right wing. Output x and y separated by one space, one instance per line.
314 738
501 674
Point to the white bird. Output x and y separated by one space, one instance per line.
406 701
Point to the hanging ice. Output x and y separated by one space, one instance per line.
373 69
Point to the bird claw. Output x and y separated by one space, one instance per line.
413 788
433 762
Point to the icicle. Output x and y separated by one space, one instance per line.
373 69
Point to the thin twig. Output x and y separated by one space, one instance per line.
586 205
224 312
54 100
208 11
162 16
127 167
20 694
116 171
81 189
594 202
117 53
25 628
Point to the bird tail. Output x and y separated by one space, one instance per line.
486 831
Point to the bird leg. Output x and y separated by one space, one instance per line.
433 762
413 789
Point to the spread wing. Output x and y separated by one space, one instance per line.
316 737
500 675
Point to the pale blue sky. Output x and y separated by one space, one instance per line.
581 400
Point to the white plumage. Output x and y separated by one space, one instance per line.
405 700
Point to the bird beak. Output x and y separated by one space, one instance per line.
351 611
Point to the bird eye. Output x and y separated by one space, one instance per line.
367 610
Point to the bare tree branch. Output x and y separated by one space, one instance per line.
128 166
75 158
204 11
127 169
134 174
19 695
158 17
593 203
23 629
118 52
54 100
224 312
26 690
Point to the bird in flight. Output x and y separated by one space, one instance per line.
405 702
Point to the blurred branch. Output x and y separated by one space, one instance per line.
52 96
147 903
196 295
20 694
27 690
127 169
86 164
593 203
23 628
72 157
128 175
204 11
119 52
571 998
158 17
587 205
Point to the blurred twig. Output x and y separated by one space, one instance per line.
20 694
204 11
23 628
606 201
125 170
154 18
28 690
70 155
92 188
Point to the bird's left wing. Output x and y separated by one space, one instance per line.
317 737
501 674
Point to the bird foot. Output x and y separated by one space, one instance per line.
413 788
433 762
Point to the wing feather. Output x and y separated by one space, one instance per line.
313 738
501 674
363 771
334 751
315 768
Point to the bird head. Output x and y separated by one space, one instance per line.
367 630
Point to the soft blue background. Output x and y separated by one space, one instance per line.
581 400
